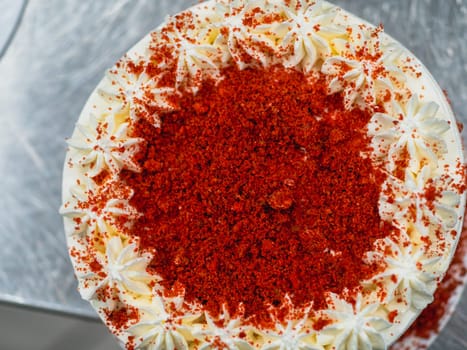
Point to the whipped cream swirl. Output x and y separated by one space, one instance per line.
356 327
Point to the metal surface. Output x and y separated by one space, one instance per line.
56 58
10 15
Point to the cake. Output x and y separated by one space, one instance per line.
263 174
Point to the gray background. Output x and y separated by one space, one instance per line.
58 55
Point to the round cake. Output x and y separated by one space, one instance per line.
263 174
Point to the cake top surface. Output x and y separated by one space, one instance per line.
263 174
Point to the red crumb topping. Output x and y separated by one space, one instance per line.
250 194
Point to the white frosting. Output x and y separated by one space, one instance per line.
313 36
102 149
121 88
73 209
88 217
409 273
241 38
358 71
125 91
291 337
411 193
124 271
308 32
356 327
228 334
196 57
155 331
413 127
